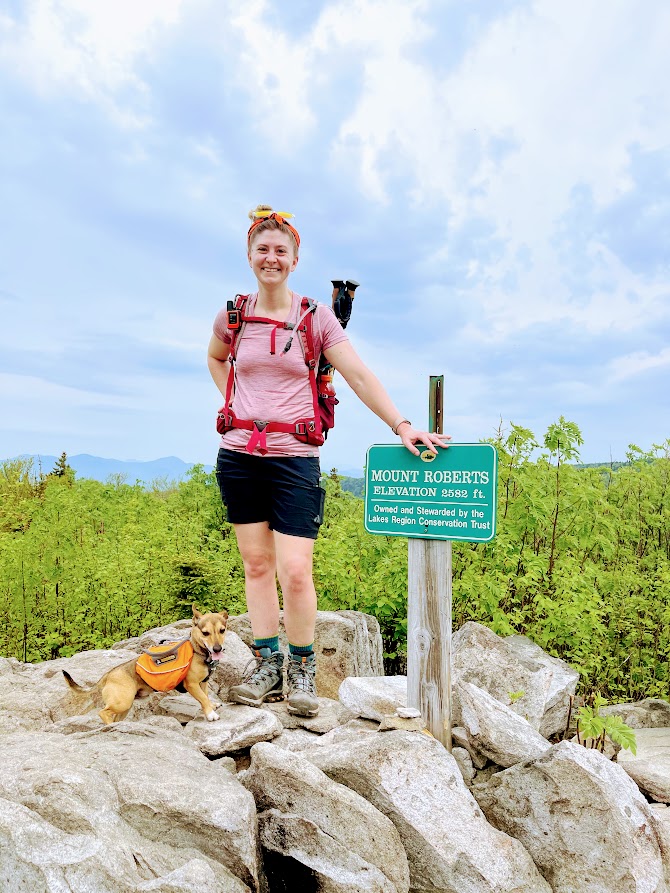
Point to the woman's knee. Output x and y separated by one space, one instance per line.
258 564
295 575
257 549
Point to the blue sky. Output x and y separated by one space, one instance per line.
495 174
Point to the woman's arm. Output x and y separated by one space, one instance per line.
371 391
217 362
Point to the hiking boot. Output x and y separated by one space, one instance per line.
263 682
300 675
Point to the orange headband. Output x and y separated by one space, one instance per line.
279 216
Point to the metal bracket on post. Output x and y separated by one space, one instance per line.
429 613
435 403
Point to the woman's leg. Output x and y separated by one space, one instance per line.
265 683
294 569
257 548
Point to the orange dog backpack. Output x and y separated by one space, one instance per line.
164 666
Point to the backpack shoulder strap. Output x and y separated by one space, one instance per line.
235 334
240 305
306 330
306 334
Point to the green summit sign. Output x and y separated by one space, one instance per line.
451 496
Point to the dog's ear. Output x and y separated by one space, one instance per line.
196 614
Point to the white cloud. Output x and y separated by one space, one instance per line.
618 300
209 150
122 248
640 361
547 98
186 334
274 69
538 77
88 46
283 75
157 414
37 404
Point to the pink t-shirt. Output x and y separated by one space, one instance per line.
275 386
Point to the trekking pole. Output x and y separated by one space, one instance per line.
343 299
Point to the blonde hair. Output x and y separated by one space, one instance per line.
271 220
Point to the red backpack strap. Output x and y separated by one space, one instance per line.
306 333
307 430
240 304
308 307
275 323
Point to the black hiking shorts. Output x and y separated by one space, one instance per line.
285 491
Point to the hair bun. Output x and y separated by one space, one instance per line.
252 214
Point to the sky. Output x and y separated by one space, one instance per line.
495 174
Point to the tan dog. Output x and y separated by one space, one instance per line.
120 686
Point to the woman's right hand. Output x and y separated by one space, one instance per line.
409 436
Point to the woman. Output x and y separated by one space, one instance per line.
269 477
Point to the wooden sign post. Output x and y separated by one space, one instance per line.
429 613
429 634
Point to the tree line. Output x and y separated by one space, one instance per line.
580 562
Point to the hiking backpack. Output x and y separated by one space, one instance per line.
312 430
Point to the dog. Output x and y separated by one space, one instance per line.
120 686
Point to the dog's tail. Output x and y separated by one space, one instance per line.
74 685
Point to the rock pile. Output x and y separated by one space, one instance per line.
358 798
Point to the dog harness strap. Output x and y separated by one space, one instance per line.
156 652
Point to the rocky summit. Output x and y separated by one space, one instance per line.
357 798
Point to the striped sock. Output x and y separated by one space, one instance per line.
272 643
301 650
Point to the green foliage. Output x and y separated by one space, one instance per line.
593 727
85 564
62 469
354 485
357 571
580 562
19 487
618 732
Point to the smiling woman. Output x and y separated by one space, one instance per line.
268 466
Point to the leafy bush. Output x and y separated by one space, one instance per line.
580 563
593 728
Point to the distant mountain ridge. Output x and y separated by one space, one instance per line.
173 468
99 469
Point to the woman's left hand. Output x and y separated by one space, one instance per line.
410 436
